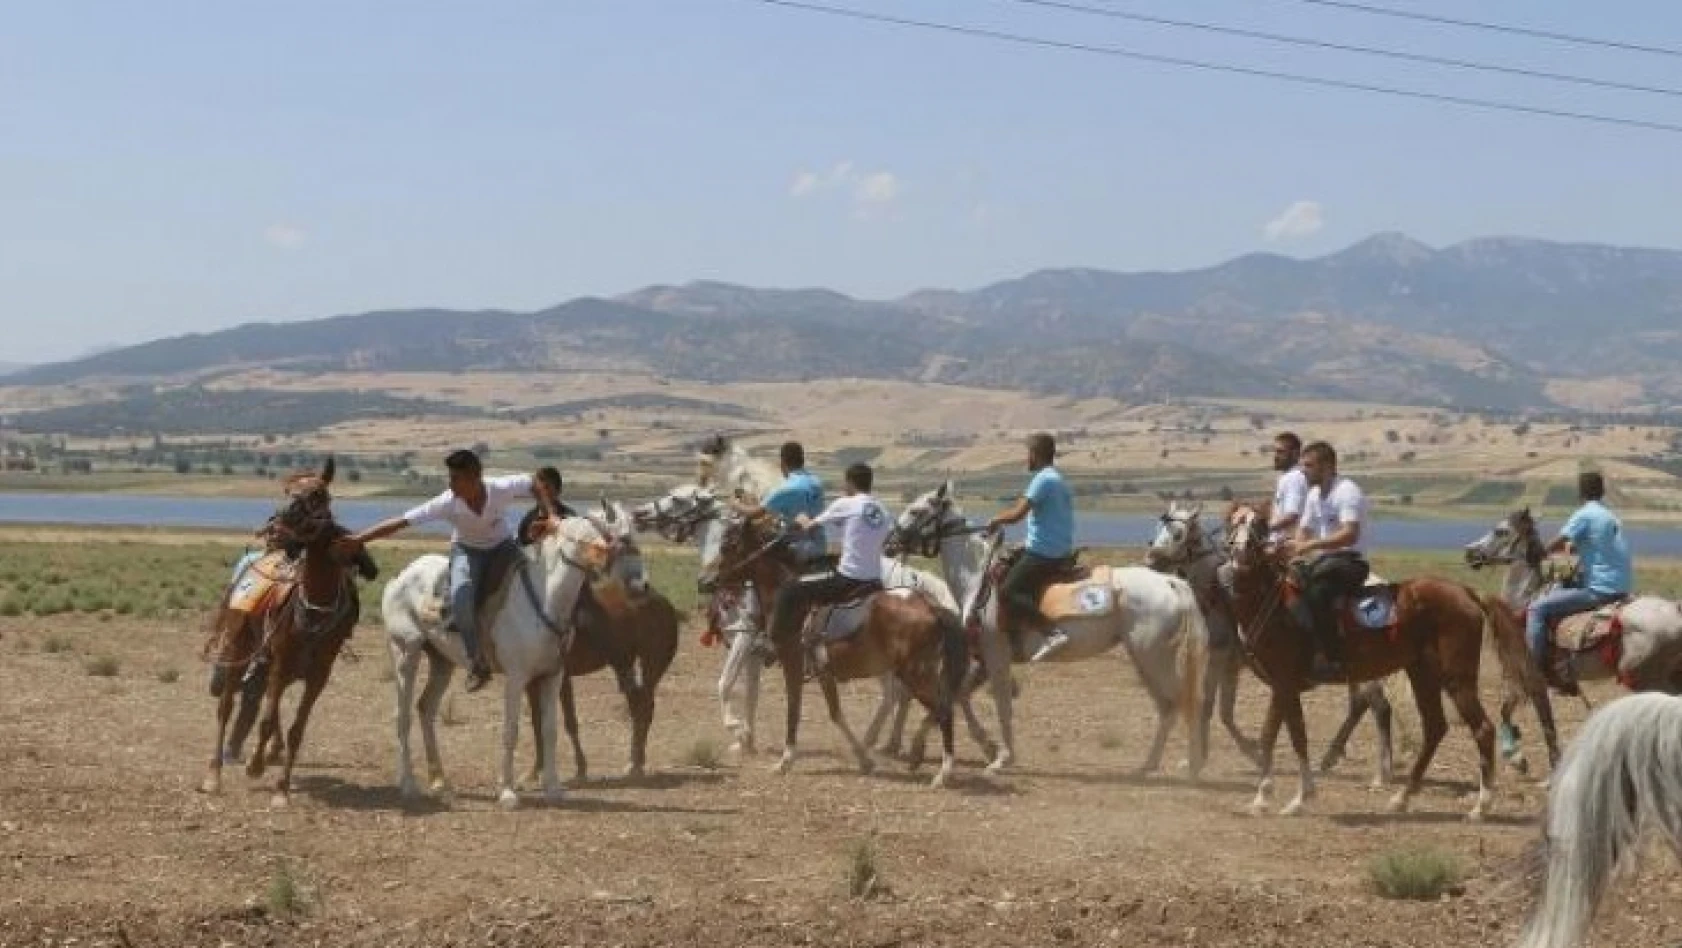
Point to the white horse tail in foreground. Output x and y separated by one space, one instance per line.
1620 779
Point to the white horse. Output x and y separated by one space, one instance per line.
1155 618
523 638
1182 546
1620 779
693 511
1649 641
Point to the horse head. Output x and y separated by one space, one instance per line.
1513 538
305 515
1179 534
626 565
1246 535
677 514
926 522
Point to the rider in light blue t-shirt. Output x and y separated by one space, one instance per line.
800 493
1597 537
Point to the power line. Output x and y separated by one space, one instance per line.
1298 78
1113 13
1494 27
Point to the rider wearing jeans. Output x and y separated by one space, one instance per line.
864 530
1604 568
1049 508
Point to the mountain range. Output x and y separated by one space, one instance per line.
1499 323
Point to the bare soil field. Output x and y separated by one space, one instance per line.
105 728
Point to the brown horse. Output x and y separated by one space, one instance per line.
1435 634
638 643
903 632
296 635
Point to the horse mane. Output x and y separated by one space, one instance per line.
738 470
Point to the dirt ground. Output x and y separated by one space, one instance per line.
104 840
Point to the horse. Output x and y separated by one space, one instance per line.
529 637
904 632
1620 780
1434 632
1638 642
304 625
692 512
1154 616
638 643
1182 547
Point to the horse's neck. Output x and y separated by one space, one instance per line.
1203 566
560 587
963 558
1524 581
319 574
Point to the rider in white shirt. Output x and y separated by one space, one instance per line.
1290 492
1328 550
864 526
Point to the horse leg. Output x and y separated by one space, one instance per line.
1428 695
439 671
513 691
268 728
1383 716
569 719
832 700
313 686
1266 742
1464 694
1507 733
642 720
1354 711
1226 684
250 700
995 657
548 695
534 707
405 665
792 657
892 704
224 709
1298 729
1166 711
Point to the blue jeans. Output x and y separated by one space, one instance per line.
467 572
1551 607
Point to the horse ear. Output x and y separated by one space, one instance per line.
328 470
608 512
944 489
1197 509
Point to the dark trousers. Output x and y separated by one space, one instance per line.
1324 580
795 599
1019 592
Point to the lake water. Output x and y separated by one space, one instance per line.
1094 529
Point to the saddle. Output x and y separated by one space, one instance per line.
1374 610
266 581
489 596
1597 631
840 621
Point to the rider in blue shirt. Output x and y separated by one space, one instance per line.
1595 534
800 494
1049 508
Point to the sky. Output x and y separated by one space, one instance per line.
185 166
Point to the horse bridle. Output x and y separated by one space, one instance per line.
917 536
681 527
1197 544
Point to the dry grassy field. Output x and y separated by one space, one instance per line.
105 728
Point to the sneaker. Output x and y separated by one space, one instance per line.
1053 642
478 677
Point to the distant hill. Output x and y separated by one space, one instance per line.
9 368
1483 324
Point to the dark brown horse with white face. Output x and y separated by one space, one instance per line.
1435 634
903 632
297 634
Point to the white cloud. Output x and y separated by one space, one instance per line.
284 236
1301 219
804 183
877 189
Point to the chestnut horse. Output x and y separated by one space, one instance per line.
904 633
303 627
1435 635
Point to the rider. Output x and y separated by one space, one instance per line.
1050 511
800 494
1327 549
1290 491
475 507
864 526
528 532
1595 534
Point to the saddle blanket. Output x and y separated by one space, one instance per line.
258 583
843 620
1088 599
1586 631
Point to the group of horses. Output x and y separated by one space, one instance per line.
1205 605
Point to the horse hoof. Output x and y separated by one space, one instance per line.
784 764
1293 808
743 748
1257 808
866 766
529 780
408 791
279 801
508 800
554 797
211 784
1399 803
632 772
939 781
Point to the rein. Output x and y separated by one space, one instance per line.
748 560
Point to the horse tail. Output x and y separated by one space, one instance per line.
1621 776
1191 652
1518 670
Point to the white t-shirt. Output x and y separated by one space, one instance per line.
1290 496
1344 503
482 530
865 527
